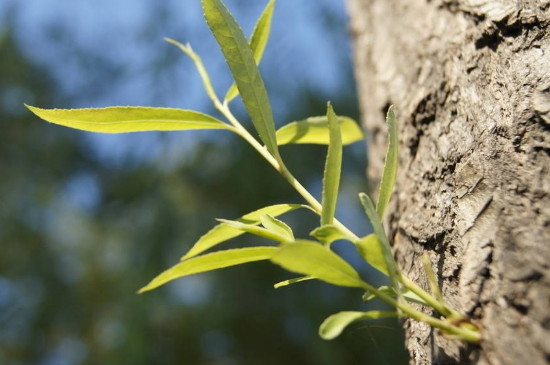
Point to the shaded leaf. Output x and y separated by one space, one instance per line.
312 259
293 281
390 166
258 41
277 226
211 261
333 326
370 211
223 232
122 119
333 167
314 130
432 279
407 295
328 234
370 249
240 60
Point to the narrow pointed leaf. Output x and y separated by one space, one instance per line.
199 65
334 325
312 259
255 230
240 60
390 166
212 261
408 295
222 232
370 211
432 279
370 249
328 234
293 281
258 41
277 226
333 166
314 130
122 119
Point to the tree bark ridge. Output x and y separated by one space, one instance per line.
470 81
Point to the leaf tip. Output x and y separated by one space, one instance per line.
390 115
143 290
30 107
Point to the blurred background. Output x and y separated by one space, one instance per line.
87 219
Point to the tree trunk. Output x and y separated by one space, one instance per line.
470 81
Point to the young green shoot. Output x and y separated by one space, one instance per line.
314 259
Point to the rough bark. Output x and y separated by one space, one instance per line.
470 81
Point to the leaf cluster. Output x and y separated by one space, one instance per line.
312 258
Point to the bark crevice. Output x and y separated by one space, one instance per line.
470 80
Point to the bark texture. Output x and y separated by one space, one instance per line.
470 81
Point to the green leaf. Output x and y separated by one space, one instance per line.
293 281
407 295
211 261
390 166
312 259
223 232
122 119
240 60
314 130
333 166
277 226
328 234
258 41
370 249
334 325
255 230
370 211
186 48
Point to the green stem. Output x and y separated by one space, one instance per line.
279 166
430 300
463 333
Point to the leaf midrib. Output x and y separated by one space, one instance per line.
152 120
227 19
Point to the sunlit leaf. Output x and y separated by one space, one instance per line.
333 326
370 211
240 60
255 230
122 119
333 166
186 48
312 259
328 234
222 232
370 249
277 226
293 281
211 261
258 41
390 166
314 130
407 295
